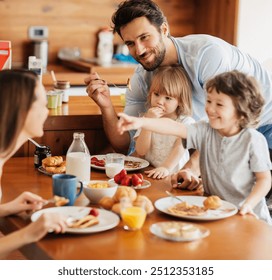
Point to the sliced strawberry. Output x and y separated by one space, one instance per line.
122 173
126 181
94 160
117 178
94 212
100 163
136 181
140 175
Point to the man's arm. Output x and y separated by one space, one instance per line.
98 90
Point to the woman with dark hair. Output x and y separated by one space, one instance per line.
23 112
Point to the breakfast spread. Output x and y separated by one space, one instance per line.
185 209
54 164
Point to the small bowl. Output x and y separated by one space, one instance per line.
95 194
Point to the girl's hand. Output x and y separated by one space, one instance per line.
186 179
26 201
154 112
247 209
126 123
158 173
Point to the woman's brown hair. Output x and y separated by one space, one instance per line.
244 92
174 82
17 93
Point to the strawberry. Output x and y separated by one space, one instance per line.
100 163
94 159
123 173
126 181
140 175
117 178
94 212
136 180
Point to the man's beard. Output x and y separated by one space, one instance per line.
159 52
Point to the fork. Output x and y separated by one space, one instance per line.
172 195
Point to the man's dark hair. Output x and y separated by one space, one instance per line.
130 9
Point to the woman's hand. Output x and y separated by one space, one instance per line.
186 179
47 222
158 173
26 201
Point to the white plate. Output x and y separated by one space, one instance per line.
42 170
226 210
157 229
146 184
107 219
144 163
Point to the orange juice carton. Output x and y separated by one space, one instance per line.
5 55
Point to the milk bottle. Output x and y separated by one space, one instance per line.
78 158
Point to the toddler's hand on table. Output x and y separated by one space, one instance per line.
158 173
246 209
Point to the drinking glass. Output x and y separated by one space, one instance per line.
133 216
114 164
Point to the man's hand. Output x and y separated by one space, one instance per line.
98 90
186 179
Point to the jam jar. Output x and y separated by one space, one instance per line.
41 153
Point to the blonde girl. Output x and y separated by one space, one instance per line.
169 97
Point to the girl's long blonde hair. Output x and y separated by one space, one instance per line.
174 82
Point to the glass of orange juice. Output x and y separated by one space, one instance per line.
133 216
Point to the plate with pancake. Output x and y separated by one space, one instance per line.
106 219
131 163
179 231
194 209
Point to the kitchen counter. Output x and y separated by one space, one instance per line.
80 114
115 74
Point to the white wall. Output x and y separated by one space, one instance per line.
255 28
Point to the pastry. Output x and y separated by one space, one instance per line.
149 208
184 209
85 222
54 165
123 191
212 202
106 202
179 229
60 201
52 161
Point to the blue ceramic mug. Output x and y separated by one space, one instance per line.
65 185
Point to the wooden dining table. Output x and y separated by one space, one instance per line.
233 238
